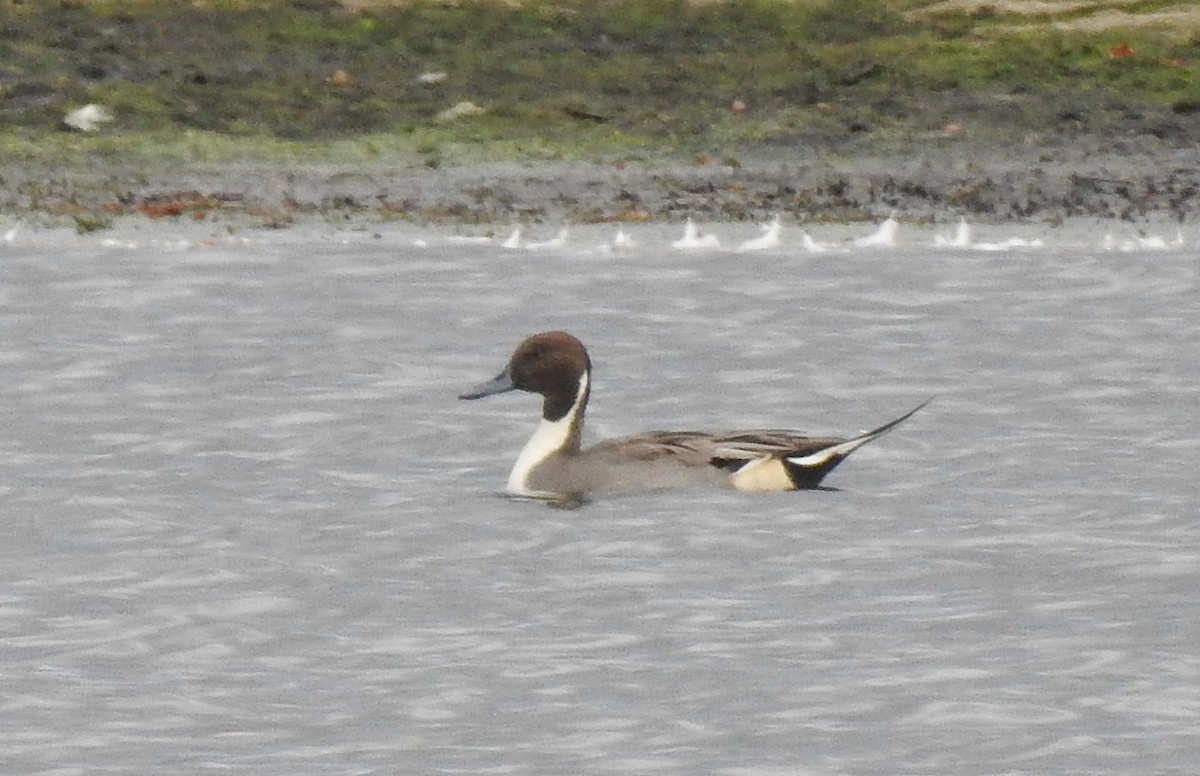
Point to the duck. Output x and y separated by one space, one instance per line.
553 465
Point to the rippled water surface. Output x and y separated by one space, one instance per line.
248 528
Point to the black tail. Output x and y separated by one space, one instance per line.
807 471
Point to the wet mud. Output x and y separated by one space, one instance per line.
937 181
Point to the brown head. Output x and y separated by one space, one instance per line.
553 364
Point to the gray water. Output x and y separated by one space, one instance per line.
248 528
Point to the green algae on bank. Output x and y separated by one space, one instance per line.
679 93
562 79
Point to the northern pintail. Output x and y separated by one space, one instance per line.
554 466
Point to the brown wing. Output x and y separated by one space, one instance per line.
726 451
690 448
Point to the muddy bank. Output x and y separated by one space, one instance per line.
936 180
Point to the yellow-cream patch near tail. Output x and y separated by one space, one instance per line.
766 475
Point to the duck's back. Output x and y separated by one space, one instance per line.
746 460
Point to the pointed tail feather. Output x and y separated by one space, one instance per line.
823 461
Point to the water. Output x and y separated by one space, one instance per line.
249 529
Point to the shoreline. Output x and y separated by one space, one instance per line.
942 180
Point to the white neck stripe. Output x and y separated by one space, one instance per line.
550 437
